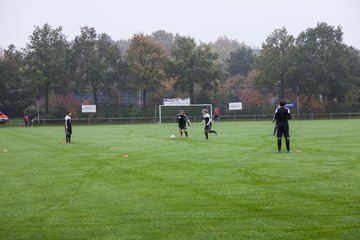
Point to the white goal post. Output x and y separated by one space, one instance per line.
208 106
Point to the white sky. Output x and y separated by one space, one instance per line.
249 21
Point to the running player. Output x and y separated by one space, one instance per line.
68 128
207 120
182 119
282 114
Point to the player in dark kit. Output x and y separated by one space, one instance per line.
282 115
68 128
207 120
182 119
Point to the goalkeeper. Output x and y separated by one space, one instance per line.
182 120
282 115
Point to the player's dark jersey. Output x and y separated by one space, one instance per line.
282 114
182 120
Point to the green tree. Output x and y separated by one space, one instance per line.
352 96
96 60
275 61
322 61
241 61
123 46
192 66
165 39
87 70
146 60
224 46
112 65
46 59
14 86
114 69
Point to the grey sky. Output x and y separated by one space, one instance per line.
248 21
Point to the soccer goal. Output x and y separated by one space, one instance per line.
193 111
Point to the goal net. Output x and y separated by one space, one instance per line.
167 113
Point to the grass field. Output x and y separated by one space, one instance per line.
233 186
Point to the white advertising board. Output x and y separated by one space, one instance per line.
235 106
88 108
177 102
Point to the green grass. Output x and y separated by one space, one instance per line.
233 186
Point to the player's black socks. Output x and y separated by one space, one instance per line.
68 138
206 135
279 144
287 142
212 131
186 134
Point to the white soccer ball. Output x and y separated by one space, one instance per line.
172 137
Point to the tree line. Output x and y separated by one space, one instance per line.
315 67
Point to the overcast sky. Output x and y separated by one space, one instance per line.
248 21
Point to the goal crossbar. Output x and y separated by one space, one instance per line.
191 105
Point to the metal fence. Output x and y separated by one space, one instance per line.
170 119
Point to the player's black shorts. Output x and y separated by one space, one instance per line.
207 128
282 129
182 125
68 130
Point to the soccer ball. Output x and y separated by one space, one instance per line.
172 137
